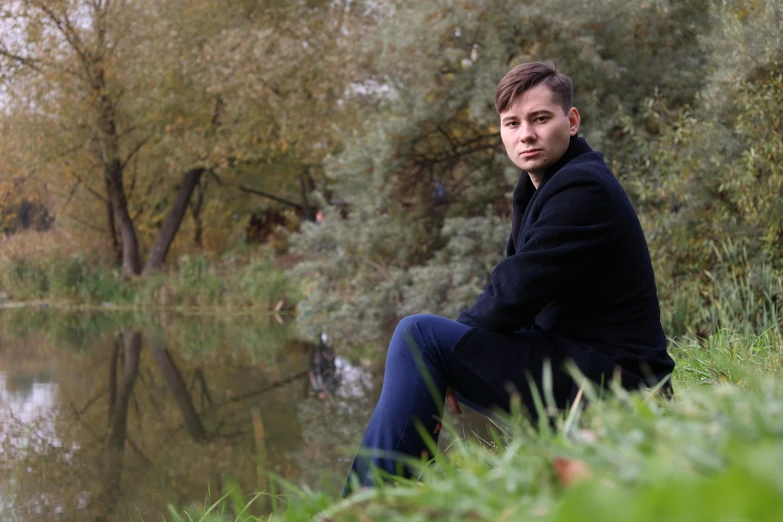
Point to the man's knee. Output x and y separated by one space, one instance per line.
412 324
412 334
418 329
407 335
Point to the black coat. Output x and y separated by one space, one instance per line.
577 284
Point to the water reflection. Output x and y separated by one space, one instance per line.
26 397
112 417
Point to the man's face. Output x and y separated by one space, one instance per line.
536 132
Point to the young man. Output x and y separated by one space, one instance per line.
576 286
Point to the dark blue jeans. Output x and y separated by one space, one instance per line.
420 365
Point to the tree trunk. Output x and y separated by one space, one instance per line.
111 226
179 390
113 169
111 468
195 212
171 225
113 379
130 370
131 260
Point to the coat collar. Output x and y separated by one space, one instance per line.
524 192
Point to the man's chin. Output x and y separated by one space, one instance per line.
533 167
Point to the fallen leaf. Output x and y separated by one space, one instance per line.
571 471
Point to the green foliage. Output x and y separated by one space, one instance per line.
441 286
708 189
743 294
429 158
356 287
233 284
698 148
75 278
343 264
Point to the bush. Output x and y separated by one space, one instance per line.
708 188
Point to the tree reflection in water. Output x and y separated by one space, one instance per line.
166 421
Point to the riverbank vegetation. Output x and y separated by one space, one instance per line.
42 268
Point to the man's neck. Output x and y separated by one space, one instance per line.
535 178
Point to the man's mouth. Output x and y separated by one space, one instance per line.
530 152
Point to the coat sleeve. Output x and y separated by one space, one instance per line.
573 229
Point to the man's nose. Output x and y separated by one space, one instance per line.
526 133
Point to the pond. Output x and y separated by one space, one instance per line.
112 416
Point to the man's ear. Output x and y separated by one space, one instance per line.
574 119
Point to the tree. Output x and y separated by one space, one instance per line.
133 103
64 59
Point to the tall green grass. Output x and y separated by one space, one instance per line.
711 454
741 294
191 282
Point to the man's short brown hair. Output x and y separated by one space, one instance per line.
528 75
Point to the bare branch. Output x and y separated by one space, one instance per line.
69 33
89 403
256 192
84 223
70 195
21 60
135 149
157 182
89 189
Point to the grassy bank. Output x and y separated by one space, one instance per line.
45 268
712 454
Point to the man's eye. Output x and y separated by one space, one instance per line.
511 124
540 119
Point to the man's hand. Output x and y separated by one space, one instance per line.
452 400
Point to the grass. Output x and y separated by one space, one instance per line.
712 454
45 267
